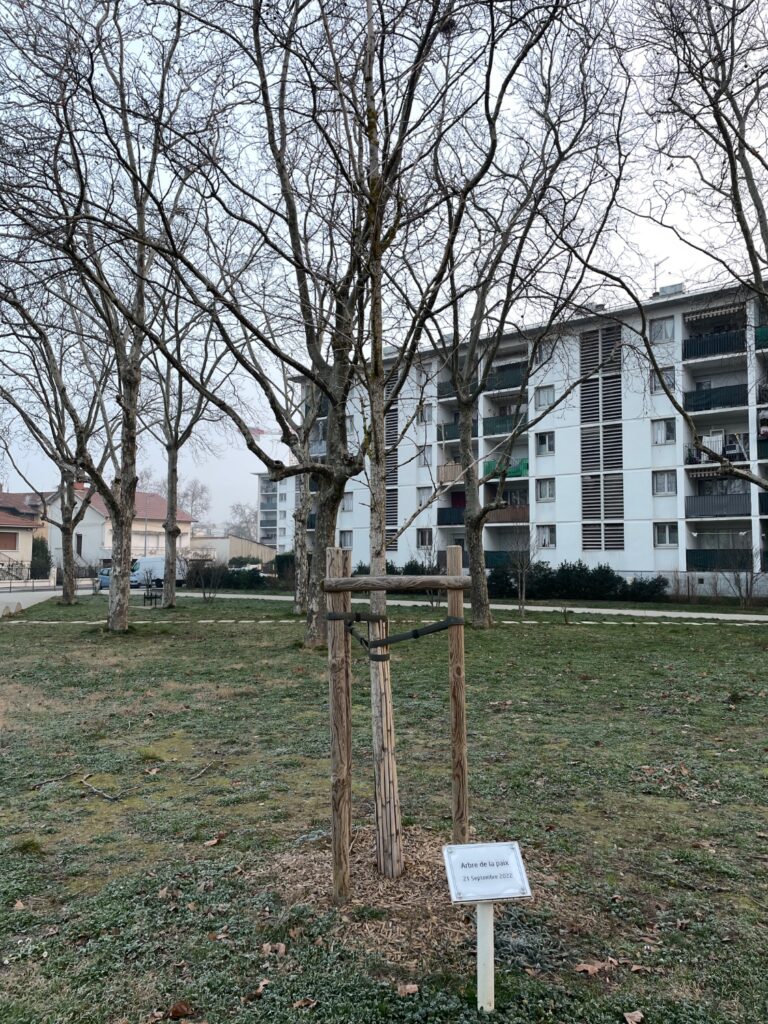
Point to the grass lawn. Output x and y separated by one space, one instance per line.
164 823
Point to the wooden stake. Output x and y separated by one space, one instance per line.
458 704
389 847
338 563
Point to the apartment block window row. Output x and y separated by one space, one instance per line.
665 535
345 539
661 330
664 482
546 536
424 538
545 489
544 397
424 456
424 414
347 501
663 431
667 374
545 443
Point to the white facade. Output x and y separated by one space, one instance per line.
608 475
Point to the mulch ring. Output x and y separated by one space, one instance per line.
409 921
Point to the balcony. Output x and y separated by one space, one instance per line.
728 397
516 467
449 472
497 560
762 448
718 560
506 379
735 448
510 514
761 336
447 389
708 506
721 343
450 431
442 560
450 517
493 425
762 394
762 503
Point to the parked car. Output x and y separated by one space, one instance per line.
152 568
105 575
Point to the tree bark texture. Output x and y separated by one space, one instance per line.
124 505
171 526
68 579
300 553
473 524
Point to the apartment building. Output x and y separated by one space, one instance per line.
608 474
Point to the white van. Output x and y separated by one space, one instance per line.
154 569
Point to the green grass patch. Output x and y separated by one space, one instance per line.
153 783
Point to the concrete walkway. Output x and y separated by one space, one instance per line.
26 598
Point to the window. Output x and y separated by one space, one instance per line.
424 414
663 431
545 489
350 424
662 330
665 535
282 498
425 455
281 531
544 396
545 443
546 536
424 538
423 495
79 544
9 541
282 514
346 501
667 375
345 539
543 351
664 481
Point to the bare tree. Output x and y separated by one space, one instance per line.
195 498
243 521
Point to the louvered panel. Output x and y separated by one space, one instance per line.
613 454
390 461
613 496
392 540
614 536
611 387
590 449
591 536
610 343
392 506
589 350
390 426
590 401
590 497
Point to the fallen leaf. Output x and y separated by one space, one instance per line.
258 992
162 893
634 1017
216 839
640 969
295 933
183 1008
305 1004
589 969
156 1015
407 989
151 771
531 971
18 905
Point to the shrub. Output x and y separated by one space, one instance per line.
41 563
285 566
501 584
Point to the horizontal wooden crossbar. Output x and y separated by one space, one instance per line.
340 584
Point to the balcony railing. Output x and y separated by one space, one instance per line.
516 467
510 514
735 448
762 448
497 560
450 516
715 398
502 424
447 389
718 344
450 431
442 559
449 472
762 503
761 336
718 560
704 506
762 394
506 380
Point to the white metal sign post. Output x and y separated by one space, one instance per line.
484 874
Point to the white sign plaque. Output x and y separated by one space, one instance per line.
485 872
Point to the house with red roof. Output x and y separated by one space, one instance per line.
93 536
19 522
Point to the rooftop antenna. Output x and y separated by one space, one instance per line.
656 273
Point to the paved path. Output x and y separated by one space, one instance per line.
736 618
26 598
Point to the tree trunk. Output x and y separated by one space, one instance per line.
300 554
171 527
328 501
473 524
124 497
68 579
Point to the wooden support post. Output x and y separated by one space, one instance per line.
458 704
339 563
389 845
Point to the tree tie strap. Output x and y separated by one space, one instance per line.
396 638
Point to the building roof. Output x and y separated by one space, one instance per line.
148 506
17 521
19 510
